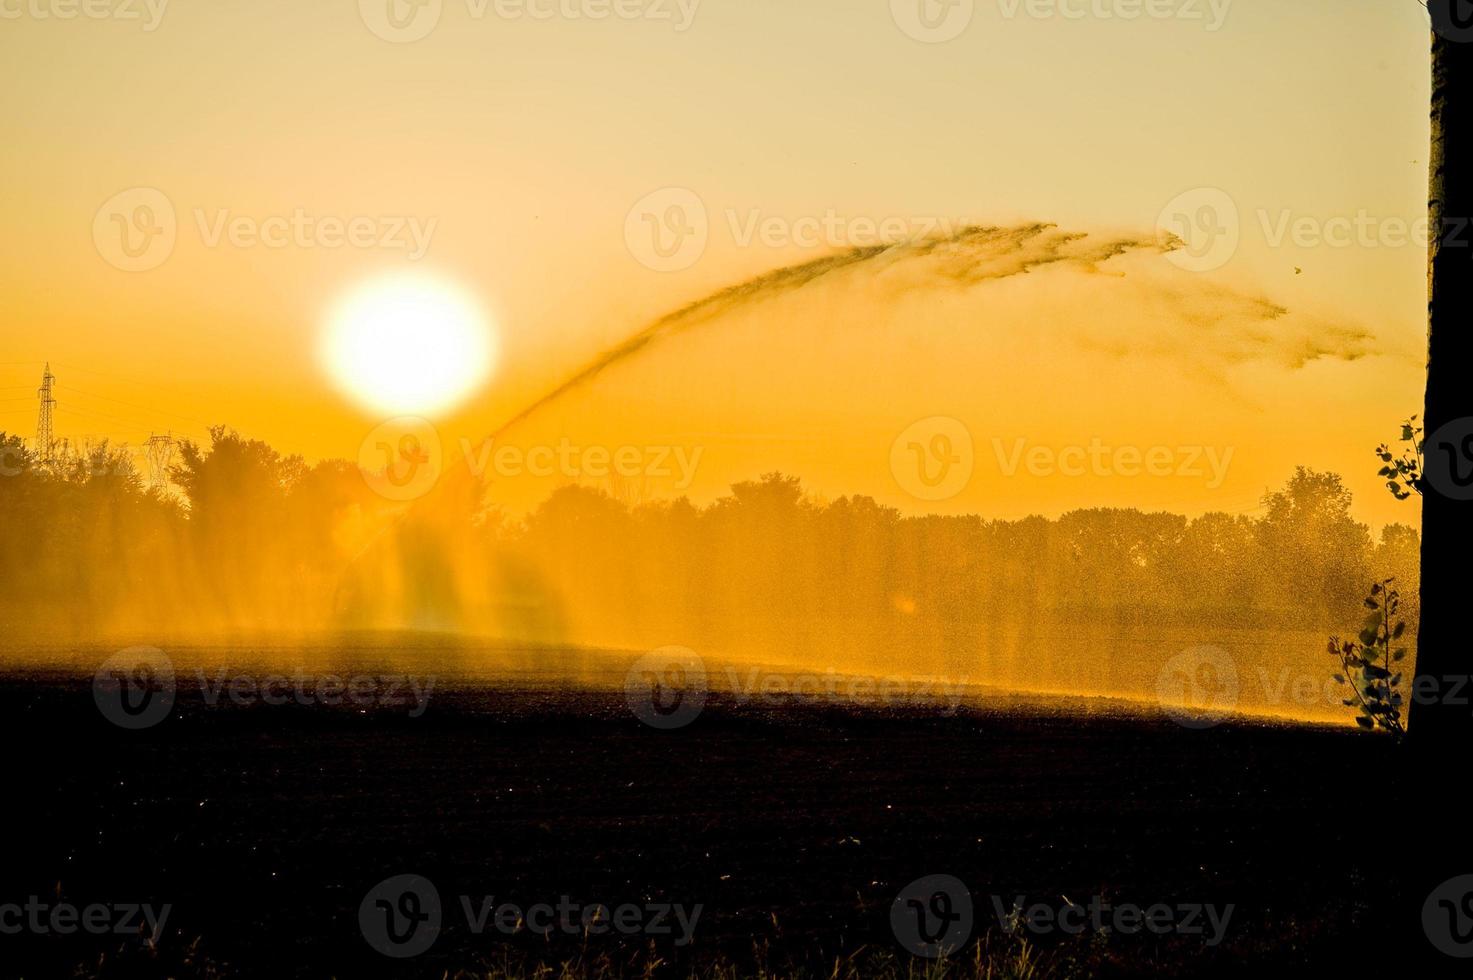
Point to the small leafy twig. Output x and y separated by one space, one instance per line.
1368 663
1403 473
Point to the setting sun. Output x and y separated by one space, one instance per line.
408 345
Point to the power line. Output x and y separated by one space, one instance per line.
156 450
110 417
140 408
115 378
133 424
199 427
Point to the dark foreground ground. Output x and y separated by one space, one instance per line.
262 828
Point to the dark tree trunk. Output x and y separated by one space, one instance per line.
1445 642
1440 733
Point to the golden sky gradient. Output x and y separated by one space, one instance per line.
519 146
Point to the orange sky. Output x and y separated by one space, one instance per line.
515 156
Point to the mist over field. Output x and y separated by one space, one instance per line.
263 548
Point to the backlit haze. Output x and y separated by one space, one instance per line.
1082 274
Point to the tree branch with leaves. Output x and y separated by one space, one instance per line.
1403 472
1368 663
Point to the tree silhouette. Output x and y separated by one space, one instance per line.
1447 524
1094 600
1440 728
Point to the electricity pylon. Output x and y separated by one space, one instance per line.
160 450
45 432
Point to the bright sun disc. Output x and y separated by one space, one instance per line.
408 345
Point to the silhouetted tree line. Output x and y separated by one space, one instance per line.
249 538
